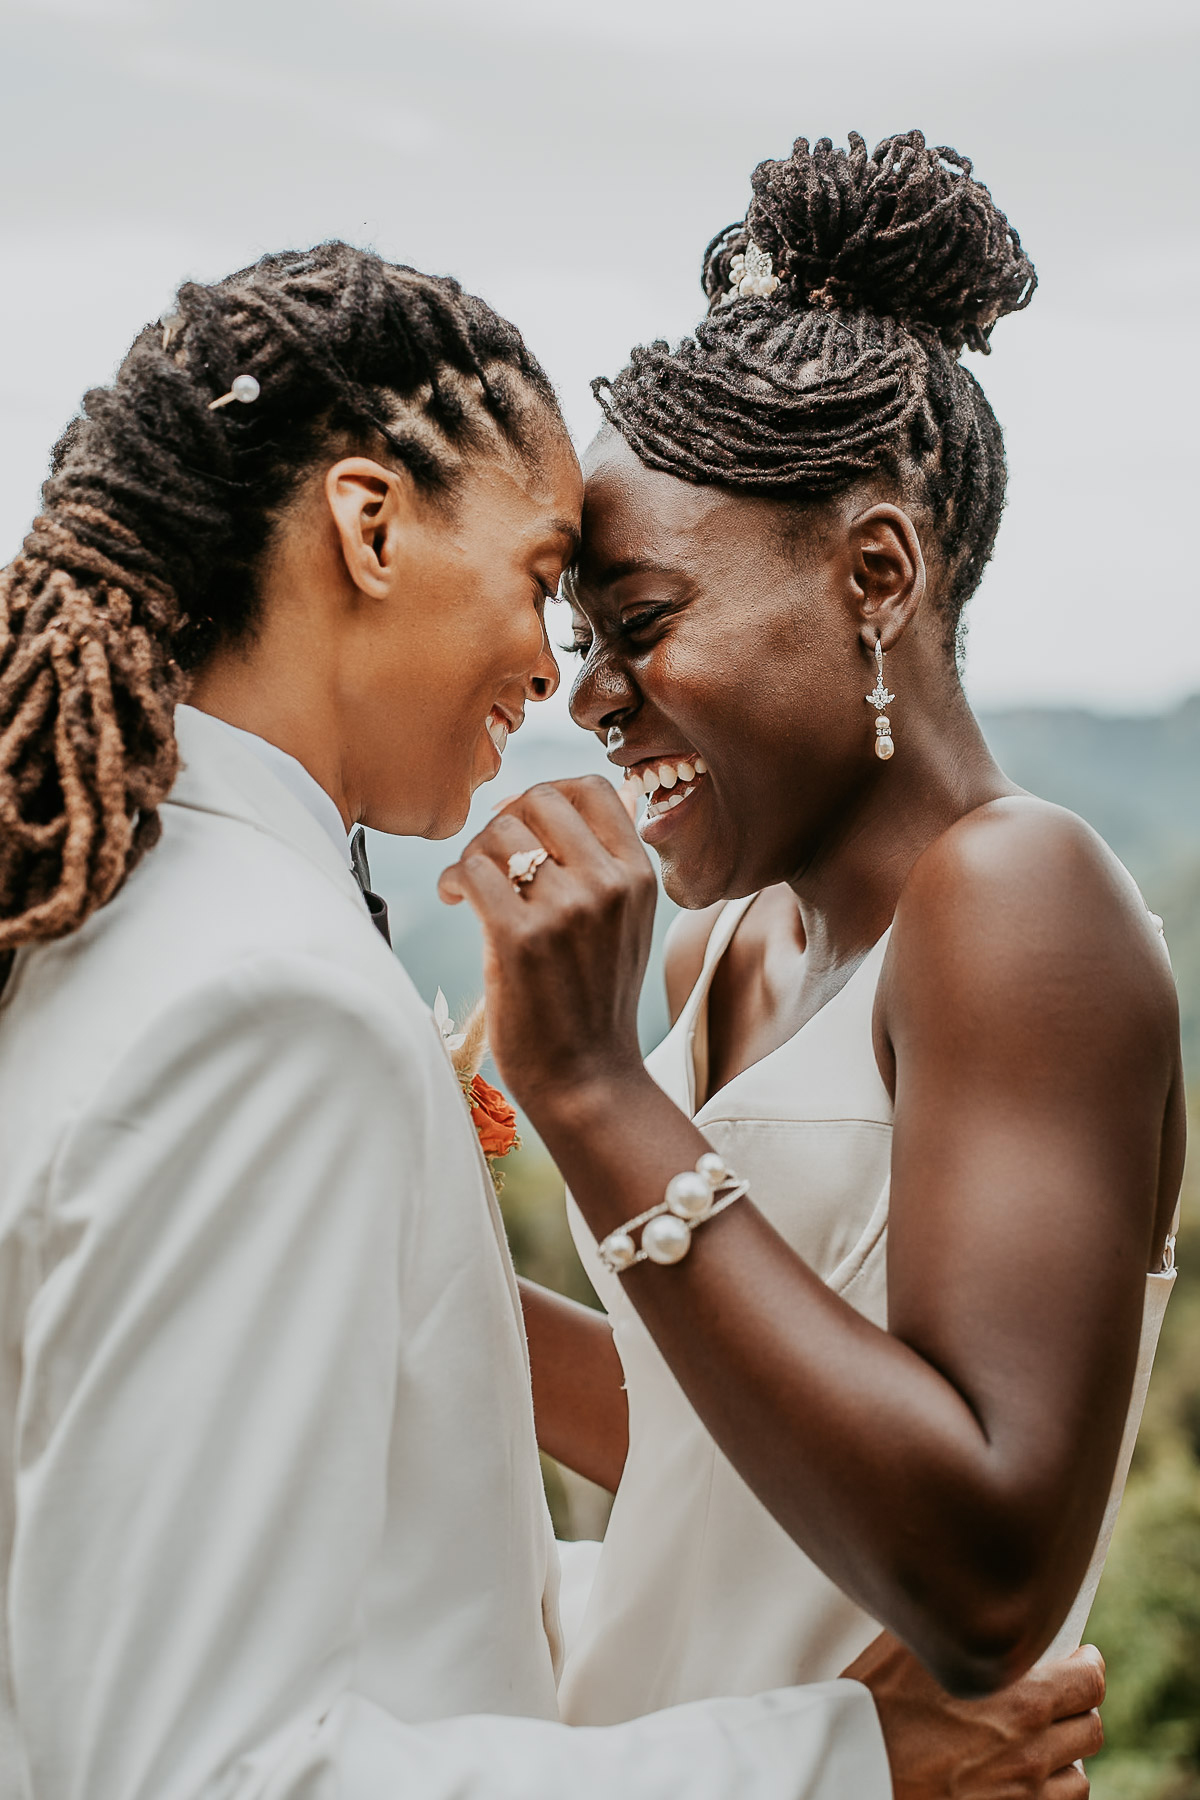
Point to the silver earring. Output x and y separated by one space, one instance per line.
879 697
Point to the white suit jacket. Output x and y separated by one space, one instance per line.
271 1518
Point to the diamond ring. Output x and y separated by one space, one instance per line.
523 865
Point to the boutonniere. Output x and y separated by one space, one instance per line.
491 1114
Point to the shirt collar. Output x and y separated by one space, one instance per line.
295 777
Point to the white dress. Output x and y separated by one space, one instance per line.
697 1590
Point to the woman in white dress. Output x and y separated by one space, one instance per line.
270 1506
899 1380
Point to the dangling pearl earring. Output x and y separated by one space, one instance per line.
879 698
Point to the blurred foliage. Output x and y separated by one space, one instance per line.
531 1201
1146 1618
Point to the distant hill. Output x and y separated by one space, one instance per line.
1137 780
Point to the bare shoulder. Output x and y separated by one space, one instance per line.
683 953
1021 898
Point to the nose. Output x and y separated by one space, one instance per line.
544 677
602 693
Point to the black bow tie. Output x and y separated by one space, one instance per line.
360 868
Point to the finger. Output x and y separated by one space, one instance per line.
1071 1684
507 832
478 879
609 812
628 794
507 837
1072 1740
564 830
1067 1784
589 802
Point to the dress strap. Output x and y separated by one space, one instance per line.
694 1018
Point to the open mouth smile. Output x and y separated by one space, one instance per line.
666 783
500 724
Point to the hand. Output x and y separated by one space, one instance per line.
565 954
1019 1744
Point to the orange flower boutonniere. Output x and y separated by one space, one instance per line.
494 1118
491 1113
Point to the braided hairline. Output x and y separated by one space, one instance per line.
707 411
156 515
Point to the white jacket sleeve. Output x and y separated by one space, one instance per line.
208 1396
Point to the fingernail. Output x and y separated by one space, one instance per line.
504 800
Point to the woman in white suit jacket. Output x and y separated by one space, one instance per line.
271 1522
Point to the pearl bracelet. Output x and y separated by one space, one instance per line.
690 1200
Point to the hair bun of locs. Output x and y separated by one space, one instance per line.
844 363
160 502
903 231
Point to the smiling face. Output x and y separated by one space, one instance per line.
724 667
443 673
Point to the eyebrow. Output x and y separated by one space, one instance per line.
564 528
610 573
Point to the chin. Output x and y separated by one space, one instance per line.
447 824
695 888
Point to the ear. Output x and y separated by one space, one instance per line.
371 508
887 572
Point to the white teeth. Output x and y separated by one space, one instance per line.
497 731
657 808
664 776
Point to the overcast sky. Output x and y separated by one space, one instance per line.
570 162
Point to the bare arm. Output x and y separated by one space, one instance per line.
579 1403
1029 1016
578 1383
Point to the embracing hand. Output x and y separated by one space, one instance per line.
1023 1743
565 952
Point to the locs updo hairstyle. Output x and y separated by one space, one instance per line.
888 264
157 511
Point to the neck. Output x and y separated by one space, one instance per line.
279 689
942 770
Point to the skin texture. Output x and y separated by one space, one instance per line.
1013 1745
392 626
1025 1025
578 1385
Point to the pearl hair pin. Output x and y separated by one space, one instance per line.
750 275
243 387
691 1199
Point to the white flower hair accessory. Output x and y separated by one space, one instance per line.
750 276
